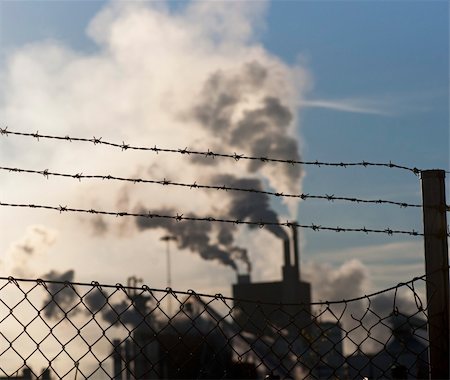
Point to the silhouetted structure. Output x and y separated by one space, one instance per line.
270 331
259 319
325 355
27 374
268 318
188 346
405 354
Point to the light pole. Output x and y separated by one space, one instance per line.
168 239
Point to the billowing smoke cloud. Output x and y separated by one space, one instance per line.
60 296
133 310
208 84
262 131
216 242
248 205
195 236
24 254
351 280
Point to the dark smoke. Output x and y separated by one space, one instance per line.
248 205
222 93
61 297
96 300
261 132
194 236
131 311
99 225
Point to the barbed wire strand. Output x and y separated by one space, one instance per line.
235 156
180 217
165 182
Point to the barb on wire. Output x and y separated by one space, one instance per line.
331 198
236 157
180 217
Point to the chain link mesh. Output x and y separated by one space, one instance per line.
56 330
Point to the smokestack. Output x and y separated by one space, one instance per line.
243 279
117 356
287 253
128 359
296 251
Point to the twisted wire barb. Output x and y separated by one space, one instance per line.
235 156
331 198
180 217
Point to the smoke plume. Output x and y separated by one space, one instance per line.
351 280
60 296
248 205
208 84
216 242
23 255
261 130
195 236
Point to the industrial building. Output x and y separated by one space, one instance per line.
188 346
270 324
259 317
28 374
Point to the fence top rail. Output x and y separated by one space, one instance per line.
145 288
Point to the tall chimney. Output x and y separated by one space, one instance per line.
243 279
296 251
117 357
287 253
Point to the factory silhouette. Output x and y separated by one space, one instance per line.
266 330
273 319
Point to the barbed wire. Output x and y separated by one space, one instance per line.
165 182
235 156
180 217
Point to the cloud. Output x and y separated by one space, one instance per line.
389 104
349 105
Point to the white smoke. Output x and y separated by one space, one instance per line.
329 283
196 77
367 321
23 257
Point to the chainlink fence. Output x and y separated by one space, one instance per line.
55 330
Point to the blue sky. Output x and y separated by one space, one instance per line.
379 92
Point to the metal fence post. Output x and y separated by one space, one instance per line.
436 268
